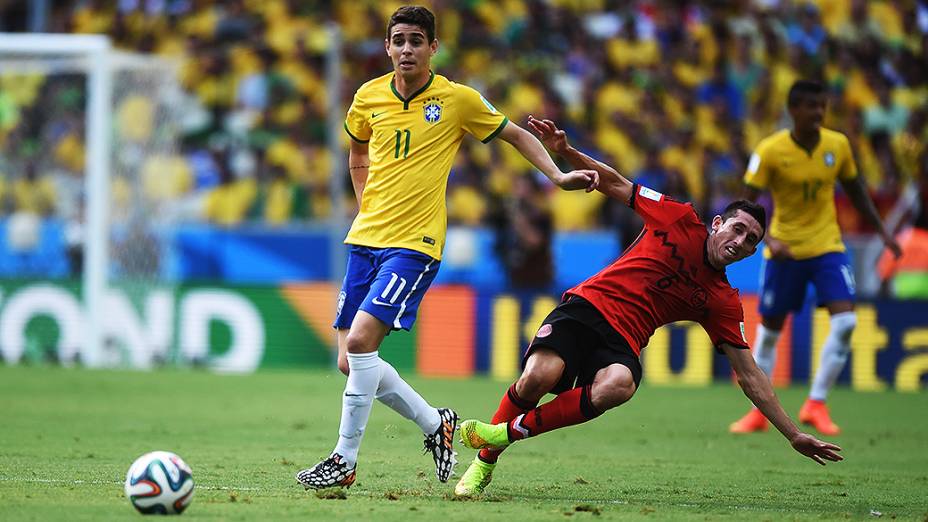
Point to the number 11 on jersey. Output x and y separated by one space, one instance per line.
400 134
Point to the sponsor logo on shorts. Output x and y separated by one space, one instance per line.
341 303
544 331
743 337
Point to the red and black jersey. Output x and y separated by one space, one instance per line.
665 276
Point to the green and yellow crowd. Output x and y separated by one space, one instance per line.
674 94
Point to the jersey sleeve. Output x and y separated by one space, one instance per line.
656 208
357 123
847 169
757 174
479 118
725 324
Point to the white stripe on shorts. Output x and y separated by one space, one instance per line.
396 321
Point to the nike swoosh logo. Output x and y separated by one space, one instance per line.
375 114
379 302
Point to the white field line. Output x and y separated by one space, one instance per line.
113 483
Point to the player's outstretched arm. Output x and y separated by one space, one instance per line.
857 191
533 151
756 386
611 182
359 162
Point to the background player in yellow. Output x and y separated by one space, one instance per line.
799 167
405 129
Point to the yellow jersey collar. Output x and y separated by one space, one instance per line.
417 93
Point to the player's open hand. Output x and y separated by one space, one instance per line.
579 179
548 133
817 450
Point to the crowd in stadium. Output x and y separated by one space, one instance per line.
673 94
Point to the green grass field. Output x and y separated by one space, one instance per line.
68 437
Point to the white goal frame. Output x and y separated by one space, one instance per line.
98 52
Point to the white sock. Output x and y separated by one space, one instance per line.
765 349
834 354
363 378
399 395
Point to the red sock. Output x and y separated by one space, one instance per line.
510 407
569 408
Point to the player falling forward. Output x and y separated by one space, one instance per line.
587 348
799 168
405 128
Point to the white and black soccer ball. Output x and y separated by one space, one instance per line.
159 482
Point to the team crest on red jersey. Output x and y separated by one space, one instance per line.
699 298
544 331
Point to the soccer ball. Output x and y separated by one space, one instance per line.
159 482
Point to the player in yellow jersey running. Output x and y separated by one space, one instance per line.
799 168
405 128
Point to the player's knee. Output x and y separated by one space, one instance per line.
613 386
356 343
542 372
842 326
534 383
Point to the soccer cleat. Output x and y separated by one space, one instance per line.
441 444
475 479
753 422
815 413
330 473
480 435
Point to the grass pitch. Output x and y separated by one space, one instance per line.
68 437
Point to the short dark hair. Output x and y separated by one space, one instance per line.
801 89
414 15
748 207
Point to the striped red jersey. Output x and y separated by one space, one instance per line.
665 276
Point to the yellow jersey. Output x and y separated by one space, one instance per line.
412 143
802 185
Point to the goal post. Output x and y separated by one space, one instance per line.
89 54
111 80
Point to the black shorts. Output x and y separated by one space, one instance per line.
582 337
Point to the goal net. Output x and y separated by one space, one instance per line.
88 157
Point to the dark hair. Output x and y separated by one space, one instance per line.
802 88
414 15
748 207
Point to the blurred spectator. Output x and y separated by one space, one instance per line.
886 116
228 203
33 194
524 236
279 200
137 253
806 33
720 91
744 71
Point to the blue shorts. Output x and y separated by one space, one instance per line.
785 282
388 283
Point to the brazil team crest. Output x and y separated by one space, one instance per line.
432 110
829 159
